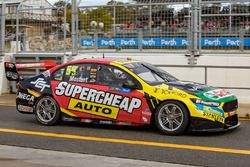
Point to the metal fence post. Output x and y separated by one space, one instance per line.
200 29
194 52
140 38
189 31
57 33
150 17
114 21
194 26
242 34
17 27
2 30
64 27
74 29
96 38
230 17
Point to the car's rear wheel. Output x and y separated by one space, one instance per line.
172 118
47 111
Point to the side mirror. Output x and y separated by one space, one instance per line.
130 86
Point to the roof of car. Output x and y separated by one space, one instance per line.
105 60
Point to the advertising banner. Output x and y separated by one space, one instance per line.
161 42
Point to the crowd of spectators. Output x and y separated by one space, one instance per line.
214 19
224 18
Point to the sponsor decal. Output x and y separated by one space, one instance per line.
40 84
217 94
29 65
9 65
213 116
123 90
103 99
26 97
25 108
46 74
156 42
168 42
208 103
69 119
12 75
86 120
75 79
71 70
232 113
124 123
34 93
94 121
93 108
145 119
105 122
211 113
170 92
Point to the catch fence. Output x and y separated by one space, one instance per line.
189 26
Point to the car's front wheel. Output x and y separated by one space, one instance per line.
47 111
172 118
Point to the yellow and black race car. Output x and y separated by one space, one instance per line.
123 92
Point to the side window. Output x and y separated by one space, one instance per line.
58 74
112 76
78 73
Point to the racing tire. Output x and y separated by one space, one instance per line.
47 111
172 118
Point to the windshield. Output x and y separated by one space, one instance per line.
149 73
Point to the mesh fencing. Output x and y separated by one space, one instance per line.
35 25
42 29
135 26
153 25
225 24
2 30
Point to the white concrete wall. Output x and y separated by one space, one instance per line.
4 83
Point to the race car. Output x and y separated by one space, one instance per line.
123 92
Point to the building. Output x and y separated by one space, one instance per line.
36 18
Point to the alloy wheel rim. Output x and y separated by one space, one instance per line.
170 117
46 110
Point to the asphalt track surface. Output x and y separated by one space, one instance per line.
222 149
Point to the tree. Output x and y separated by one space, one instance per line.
99 14
60 4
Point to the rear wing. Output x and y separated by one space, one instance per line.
46 64
11 72
11 69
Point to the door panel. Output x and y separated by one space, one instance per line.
99 93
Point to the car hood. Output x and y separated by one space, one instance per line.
203 91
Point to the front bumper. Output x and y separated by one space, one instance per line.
204 125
